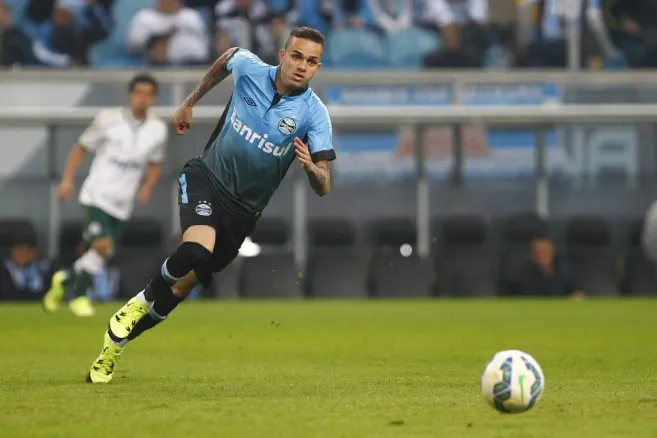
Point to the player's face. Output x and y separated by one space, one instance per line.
542 252
168 6
299 62
23 254
142 96
5 17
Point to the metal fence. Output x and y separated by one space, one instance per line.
538 118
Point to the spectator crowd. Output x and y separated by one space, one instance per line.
25 274
447 33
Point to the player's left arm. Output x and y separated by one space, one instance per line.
319 174
315 157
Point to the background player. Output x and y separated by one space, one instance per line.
128 144
271 118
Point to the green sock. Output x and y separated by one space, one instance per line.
78 282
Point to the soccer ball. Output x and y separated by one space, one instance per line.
512 381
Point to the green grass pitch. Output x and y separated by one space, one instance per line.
332 369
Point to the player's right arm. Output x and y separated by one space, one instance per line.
182 119
90 140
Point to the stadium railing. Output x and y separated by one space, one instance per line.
182 81
539 118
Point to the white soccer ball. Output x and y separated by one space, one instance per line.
512 381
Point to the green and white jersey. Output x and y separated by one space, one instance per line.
123 147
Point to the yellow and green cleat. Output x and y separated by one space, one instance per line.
102 370
82 307
55 295
123 321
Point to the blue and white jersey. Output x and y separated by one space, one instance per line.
252 147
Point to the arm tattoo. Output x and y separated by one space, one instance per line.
320 178
215 74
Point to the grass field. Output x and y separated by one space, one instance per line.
332 369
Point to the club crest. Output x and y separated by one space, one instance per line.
287 126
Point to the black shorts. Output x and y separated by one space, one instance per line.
201 204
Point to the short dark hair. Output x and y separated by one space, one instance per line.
25 237
307 33
143 78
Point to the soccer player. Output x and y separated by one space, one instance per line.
271 118
129 145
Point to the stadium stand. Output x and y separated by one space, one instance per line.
273 273
396 270
494 40
337 263
517 233
639 273
407 48
594 266
226 284
465 262
70 238
138 253
11 229
356 48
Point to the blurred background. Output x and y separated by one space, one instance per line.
417 209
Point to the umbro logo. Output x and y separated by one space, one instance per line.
250 101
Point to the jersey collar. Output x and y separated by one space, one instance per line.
272 78
127 115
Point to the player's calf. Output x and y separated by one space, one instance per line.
163 307
82 274
188 256
157 300
78 279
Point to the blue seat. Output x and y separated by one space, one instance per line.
356 48
408 48
278 5
112 52
309 16
17 8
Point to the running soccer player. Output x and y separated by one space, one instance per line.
128 144
271 118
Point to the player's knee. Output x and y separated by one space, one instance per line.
103 246
196 254
188 257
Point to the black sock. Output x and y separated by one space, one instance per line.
159 312
187 257
156 288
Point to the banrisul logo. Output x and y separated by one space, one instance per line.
259 139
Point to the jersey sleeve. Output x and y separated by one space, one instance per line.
320 134
157 155
243 62
94 136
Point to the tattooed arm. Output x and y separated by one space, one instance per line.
318 173
217 73
319 176
182 119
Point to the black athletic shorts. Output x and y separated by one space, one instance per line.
201 204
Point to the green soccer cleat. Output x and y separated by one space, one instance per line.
55 295
123 321
102 370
